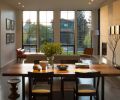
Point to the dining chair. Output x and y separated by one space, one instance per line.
87 53
67 79
20 54
87 89
40 84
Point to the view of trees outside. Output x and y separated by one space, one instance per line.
29 30
84 29
67 31
35 33
46 27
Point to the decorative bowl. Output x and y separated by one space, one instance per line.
62 67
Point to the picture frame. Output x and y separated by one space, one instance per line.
12 26
117 29
112 30
12 37
8 24
7 38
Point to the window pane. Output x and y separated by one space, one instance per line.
49 16
46 26
43 16
30 48
67 31
29 16
84 28
29 29
68 50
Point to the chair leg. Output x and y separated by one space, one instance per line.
62 87
97 96
90 97
50 97
76 97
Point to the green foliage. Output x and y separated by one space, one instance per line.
51 49
87 40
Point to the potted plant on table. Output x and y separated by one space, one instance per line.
51 49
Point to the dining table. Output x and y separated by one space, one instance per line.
22 70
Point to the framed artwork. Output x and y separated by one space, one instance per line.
8 24
7 38
12 37
12 26
112 30
117 29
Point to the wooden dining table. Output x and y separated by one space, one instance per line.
23 69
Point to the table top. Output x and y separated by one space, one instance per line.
23 69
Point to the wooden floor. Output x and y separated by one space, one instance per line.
112 89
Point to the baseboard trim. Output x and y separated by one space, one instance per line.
13 61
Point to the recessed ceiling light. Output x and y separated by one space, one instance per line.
23 6
92 0
89 3
19 3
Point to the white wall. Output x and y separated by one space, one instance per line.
8 51
110 16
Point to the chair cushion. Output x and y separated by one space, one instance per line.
41 88
86 88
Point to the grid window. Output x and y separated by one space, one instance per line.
46 26
29 30
84 25
67 31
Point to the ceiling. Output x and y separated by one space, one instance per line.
55 4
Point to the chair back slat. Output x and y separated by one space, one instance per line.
92 75
40 78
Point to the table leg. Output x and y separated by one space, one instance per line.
102 88
23 88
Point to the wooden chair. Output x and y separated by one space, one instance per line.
67 79
40 84
84 89
20 54
88 52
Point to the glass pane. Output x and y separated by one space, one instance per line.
49 16
71 15
63 14
29 48
67 38
43 16
68 50
46 26
46 16
67 30
84 28
29 16
29 30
